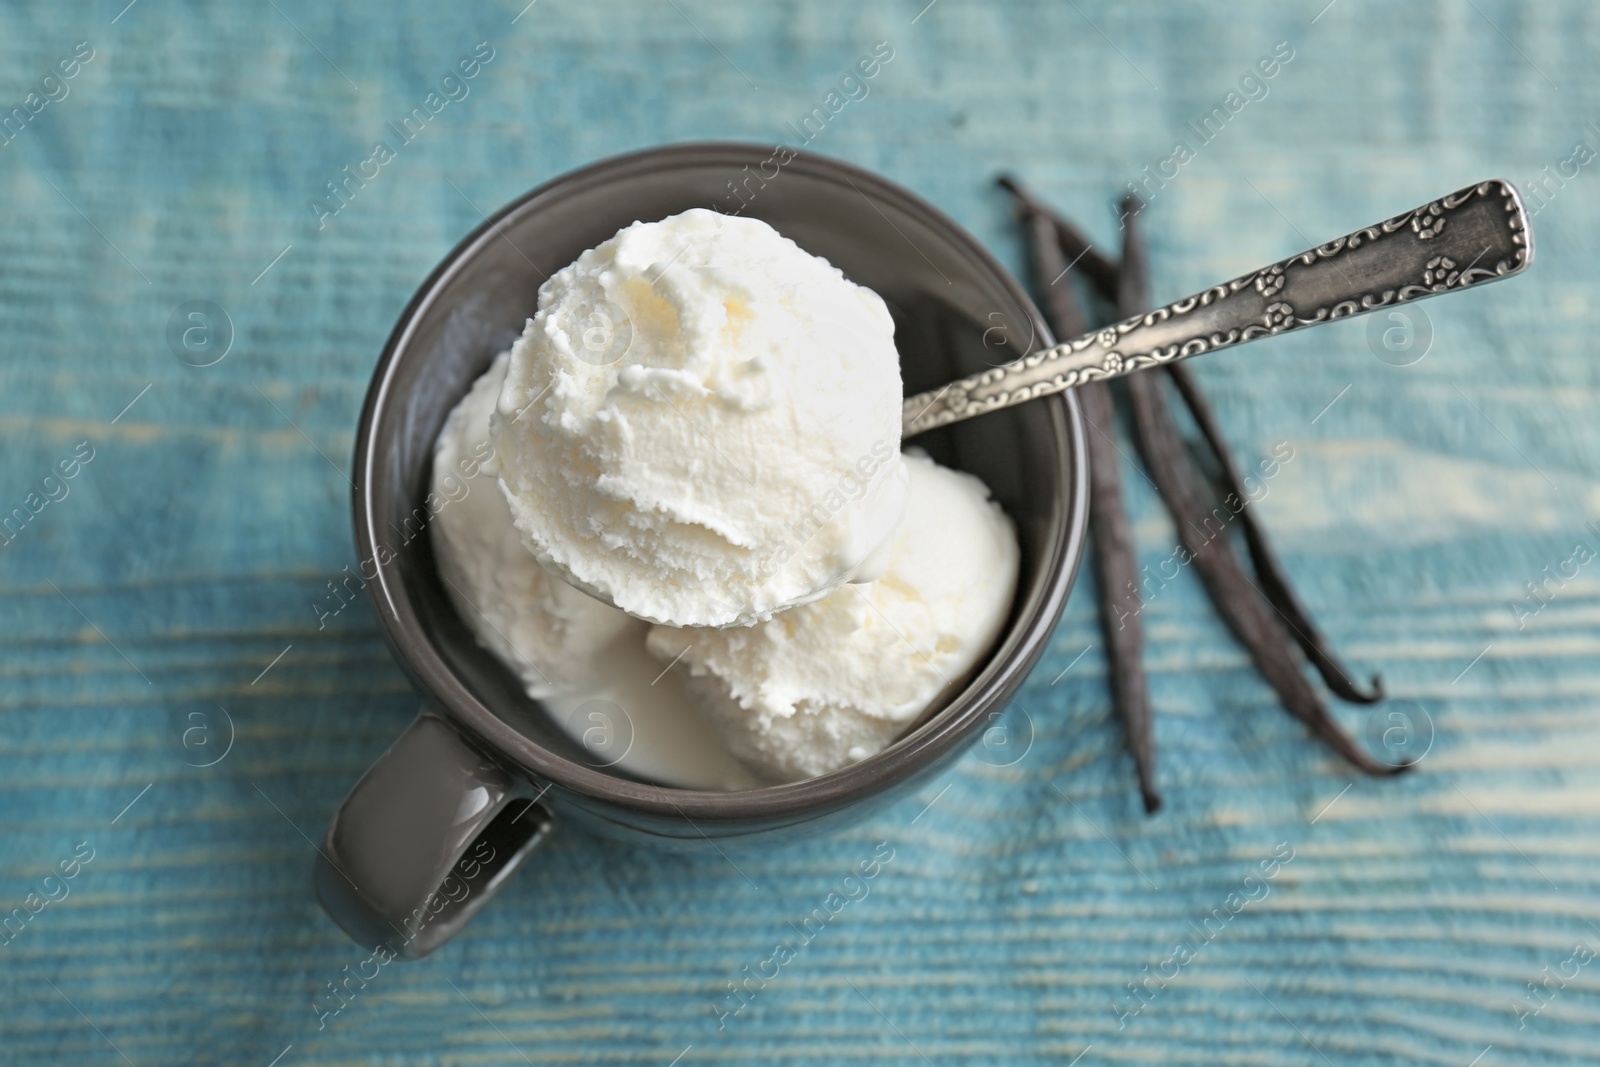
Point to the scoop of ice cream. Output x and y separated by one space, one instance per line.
545 630
701 425
584 660
835 681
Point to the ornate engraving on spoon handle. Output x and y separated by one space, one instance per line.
1474 235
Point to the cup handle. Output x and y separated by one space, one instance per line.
426 837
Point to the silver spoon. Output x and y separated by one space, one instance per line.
1478 234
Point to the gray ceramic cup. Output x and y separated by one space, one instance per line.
466 794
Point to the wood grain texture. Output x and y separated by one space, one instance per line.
188 553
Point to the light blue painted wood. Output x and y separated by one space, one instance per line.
186 555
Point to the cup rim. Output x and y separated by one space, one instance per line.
900 761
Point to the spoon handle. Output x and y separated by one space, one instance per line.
1477 234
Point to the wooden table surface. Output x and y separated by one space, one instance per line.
168 585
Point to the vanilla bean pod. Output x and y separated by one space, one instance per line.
1242 606
1116 562
1269 571
1081 255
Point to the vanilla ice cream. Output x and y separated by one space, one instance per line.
701 425
545 630
585 660
832 682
